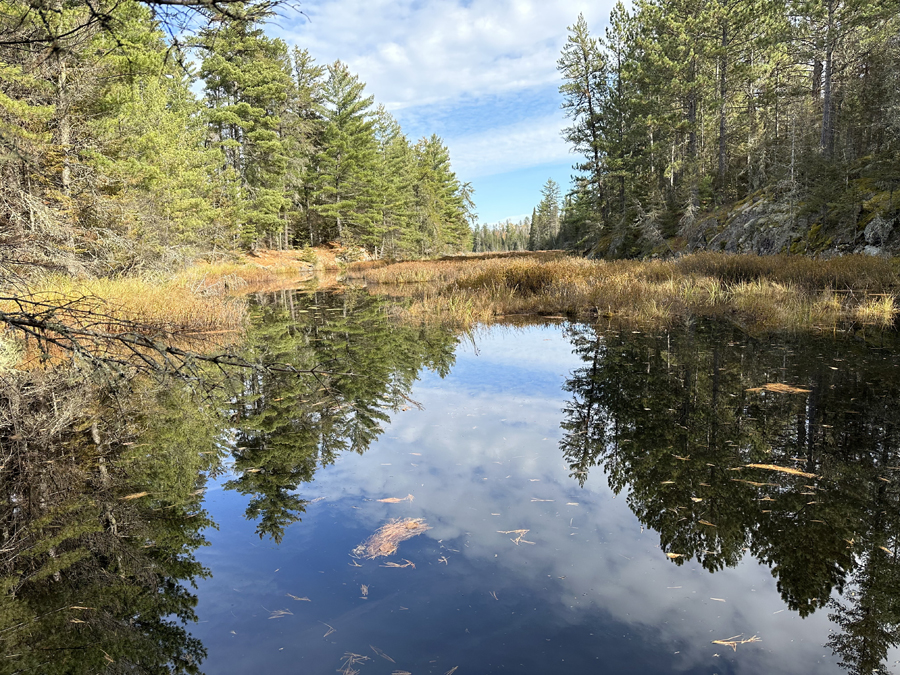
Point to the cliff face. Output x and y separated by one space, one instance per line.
763 225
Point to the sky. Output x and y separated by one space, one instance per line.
481 74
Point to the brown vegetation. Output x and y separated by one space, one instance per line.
758 292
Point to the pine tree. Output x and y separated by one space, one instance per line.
584 89
248 81
348 159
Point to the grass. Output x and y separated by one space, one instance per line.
167 310
758 292
236 277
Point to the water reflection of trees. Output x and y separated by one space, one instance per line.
94 578
288 425
670 419
101 482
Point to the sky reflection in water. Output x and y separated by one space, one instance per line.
592 593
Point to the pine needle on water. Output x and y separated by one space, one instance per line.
406 563
782 469
386 539
780 388
518 540
381 654
734 641
396 500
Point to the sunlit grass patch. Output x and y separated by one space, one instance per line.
877 311
156 306
236 277
762 293
95 313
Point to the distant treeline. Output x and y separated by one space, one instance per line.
683 107
106 152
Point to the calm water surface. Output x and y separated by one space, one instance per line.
595 501
588 512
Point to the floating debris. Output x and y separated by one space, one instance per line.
518 540
782 469
705 522
280 613
452 670
386 539
396 500
303 599
734 641
406 563
331 629
364 590
780 388
348 660
493 594
381 654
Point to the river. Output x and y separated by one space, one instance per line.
571 499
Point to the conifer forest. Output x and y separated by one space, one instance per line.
131 131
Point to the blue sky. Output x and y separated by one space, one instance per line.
479 73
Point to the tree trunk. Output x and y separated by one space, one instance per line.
723 90
827 141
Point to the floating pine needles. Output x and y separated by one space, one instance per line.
780 388
386 539
782 469
735 640
396 500
519 534
406 563
348 660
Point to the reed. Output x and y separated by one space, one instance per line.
761 293
167 311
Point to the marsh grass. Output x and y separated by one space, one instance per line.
169 311
756 292
236 277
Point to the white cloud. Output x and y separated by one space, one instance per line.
414 53
528 143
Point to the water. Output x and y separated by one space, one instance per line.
587 495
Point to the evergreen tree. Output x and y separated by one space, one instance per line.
347 160
247 79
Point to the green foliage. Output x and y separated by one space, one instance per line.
109 162
684 106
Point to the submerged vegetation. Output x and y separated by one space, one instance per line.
759 293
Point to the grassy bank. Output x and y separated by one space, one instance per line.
759 293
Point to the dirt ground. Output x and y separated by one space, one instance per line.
329 257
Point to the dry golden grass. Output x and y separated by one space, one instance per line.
763 293
166 307
101 309
239 277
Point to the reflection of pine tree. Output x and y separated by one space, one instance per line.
671 422
90 576
290 425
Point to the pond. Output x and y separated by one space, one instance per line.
563 498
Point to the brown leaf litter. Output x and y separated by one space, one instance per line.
780 388
386 539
